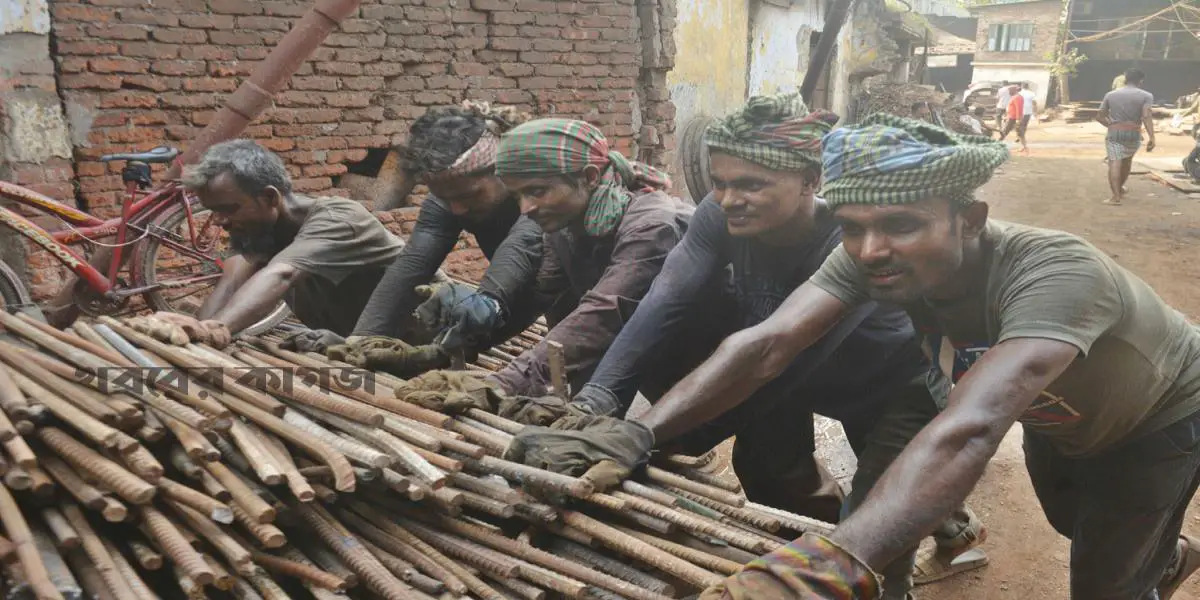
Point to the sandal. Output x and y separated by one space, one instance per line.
1189 561
952 556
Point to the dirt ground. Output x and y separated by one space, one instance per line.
1061 185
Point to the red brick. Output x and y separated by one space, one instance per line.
502 31
514 44
534 31
512 18
268 23
324 115
89 169
308 130
180 132
573 58
468 16
342 69
433 98
383 12
240 68
427 15
149 17
257 131
284 9
552 20
295 98
363 83
178 67
445 82
236 38
360 26
253 52
206 53
373 114
495 5
314 184
570 8
189 100
354 55
118 65
513 96
537 6
327 84
277 144
109 119
619 35
323 170
535 58
543 45
555 70
580 34
138 134
72 64
119 32
407 84
207 21
407 56
345 40
152 83
428 42
235 7
86 48
491 83
516 69
463 69
348 99
595 71
209 84
384 69
368 141
351 155
150 117
150 50
80 12
69 31
91 81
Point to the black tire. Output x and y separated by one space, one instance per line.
693 157
13 293
152 255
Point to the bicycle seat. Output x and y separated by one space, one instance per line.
161 154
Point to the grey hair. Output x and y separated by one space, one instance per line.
253 167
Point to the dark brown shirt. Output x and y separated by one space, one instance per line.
589 288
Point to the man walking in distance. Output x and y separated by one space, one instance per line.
1003 95
1124 112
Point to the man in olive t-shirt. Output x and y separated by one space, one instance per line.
1021 325
323 256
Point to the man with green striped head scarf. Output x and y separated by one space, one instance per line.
1018 324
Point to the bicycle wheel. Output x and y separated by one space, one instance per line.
12 292
182 281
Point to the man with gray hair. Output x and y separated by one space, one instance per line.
323 256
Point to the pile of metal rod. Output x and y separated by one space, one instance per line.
135 467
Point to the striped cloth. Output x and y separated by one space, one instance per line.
892 160
1120 144
777 132
547 147
810 568
478 158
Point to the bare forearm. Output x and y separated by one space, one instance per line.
1148 123
254 300
237 271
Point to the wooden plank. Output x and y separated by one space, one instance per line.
1178 181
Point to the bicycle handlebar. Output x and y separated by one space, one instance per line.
161 154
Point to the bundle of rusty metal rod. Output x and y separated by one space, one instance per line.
141 468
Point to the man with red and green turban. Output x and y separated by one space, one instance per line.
765 223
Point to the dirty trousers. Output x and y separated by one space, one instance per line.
773 456
1123 509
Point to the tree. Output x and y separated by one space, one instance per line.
1064 65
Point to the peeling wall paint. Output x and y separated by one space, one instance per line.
709 77
24 16
779 46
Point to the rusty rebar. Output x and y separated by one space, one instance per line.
223 579
142 463
300 571
234 552
94 547
215 509
64 535
262 461
692 555
12 400
531 476
87 575
267 534
66 476
91 427
613 567
146 556
353 450
318 592
346 545
696 524
640 550
312 396
394 539
113 476
242 494
113 510
21 536
128 573
658 475
167 535
762 521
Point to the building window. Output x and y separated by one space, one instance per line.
1010 37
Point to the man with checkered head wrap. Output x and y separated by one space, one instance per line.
1020 325
453 152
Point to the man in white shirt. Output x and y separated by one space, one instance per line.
1003 95
1029 111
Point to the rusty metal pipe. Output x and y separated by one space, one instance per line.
256 93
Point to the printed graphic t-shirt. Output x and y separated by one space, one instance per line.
1139 364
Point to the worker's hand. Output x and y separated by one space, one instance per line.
602 450
213 333
382 353
1150 145
312 340
458 313
451 392
544 410
813 567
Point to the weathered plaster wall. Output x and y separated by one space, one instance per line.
711 60
779 45
865 49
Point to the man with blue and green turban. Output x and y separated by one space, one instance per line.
1021 325
765 223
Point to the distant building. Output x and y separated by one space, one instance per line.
1015 41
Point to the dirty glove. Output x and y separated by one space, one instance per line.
544 410
312 340
812 567
382 353
602 450
458 313
451 392
166 326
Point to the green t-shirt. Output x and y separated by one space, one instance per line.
345 250
1139 364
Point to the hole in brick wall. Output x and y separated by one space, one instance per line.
370 165
376 179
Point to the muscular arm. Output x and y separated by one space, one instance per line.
394 299
1148 123
237 270
513 268
1103 117
745 361
941 465
678 288
261 292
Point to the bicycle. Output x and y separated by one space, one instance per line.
173 259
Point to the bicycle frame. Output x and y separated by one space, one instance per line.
136 213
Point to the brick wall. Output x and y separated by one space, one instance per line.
1043 14
134 75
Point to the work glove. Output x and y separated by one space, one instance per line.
167 326
812 567
545 410
451 392
602 450
458 313
312 340
382 353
